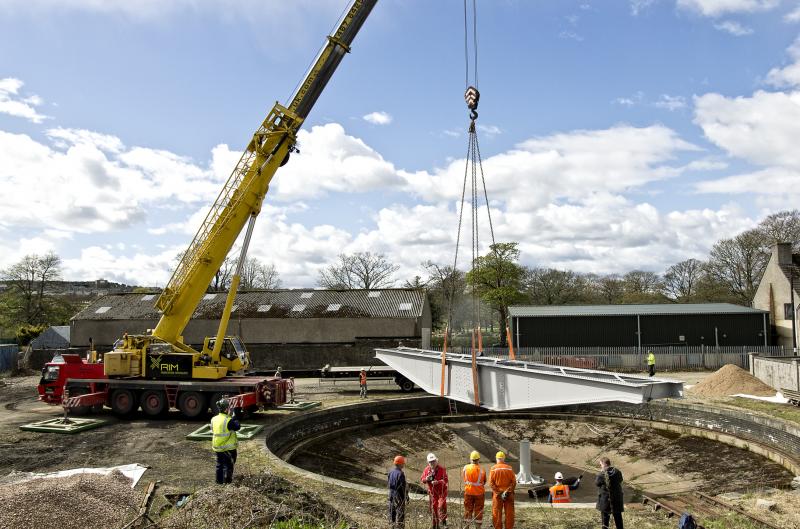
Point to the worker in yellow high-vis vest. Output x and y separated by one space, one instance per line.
224 441
651 363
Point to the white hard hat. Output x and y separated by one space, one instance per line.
431 457
559 475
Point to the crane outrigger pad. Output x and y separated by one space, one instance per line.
59 425
518 385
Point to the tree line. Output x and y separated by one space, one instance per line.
730 274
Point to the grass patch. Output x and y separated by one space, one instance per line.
786 412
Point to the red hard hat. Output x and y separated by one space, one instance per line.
399 460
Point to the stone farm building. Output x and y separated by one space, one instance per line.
302 328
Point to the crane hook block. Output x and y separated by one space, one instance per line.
472 96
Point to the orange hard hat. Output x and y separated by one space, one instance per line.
399 460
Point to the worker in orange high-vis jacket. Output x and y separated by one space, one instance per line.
435 478
474 478
559 493
503 482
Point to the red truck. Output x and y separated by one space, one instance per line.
88 388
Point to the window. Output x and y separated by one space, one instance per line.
298 308
405 306
209 297
787 311
374 294
306 295
334 307
264 308
102 310
148 297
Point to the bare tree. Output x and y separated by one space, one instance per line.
257 275
739 263
783 226
358 270
446 287
548 286
609 288
222 278
28 279
681 279
417 282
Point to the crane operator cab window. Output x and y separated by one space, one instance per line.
232 348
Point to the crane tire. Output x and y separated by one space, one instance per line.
123 402
154 403
192 404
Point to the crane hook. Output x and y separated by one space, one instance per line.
472 97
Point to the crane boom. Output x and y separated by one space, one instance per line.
243 193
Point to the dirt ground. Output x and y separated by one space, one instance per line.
188 466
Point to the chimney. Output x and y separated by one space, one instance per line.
782 253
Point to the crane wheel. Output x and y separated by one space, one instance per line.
123 402
192 404
154 403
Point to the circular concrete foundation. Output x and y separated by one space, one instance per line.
660 448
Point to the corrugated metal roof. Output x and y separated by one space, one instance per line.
388 303
630 310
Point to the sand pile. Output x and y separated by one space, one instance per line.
87 500
731 380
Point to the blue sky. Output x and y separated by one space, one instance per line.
616 134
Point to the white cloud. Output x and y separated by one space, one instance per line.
734 28
490 130
571 35
715 8
13 104
670 103
789 75
637 6
792 16
332 161
635 99
378 118
762 129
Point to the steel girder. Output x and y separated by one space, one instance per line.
517 385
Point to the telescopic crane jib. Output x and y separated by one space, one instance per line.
238 204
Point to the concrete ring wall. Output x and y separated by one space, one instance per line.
772 438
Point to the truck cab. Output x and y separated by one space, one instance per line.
62 367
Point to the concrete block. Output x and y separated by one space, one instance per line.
767 505
795 484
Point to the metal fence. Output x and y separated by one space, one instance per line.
668 358
8 356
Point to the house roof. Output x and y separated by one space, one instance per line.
631 310
294 303
792 271
52 338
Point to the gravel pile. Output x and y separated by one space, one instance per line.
731 380
87 500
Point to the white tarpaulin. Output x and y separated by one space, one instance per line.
134 472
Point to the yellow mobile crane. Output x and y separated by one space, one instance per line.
163 354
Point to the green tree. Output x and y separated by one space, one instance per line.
27 281
497 279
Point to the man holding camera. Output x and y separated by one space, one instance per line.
435 478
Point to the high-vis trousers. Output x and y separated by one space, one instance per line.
473 509
498 507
